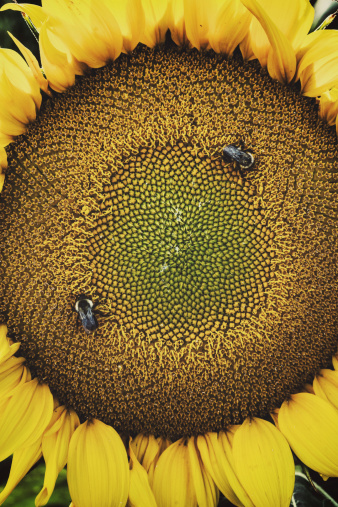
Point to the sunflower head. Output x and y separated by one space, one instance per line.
169 246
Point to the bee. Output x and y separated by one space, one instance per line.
84 306
243 159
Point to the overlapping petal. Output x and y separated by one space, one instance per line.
87 27
325 385
318 62
23 460
278 54
12 374
328 106
147 450
25 417
217 457
229 23
19 95
33 65
156 21
97 472
57 61
7 349
292 17
130 17
55 445
218 24
140 493
309 424
181 479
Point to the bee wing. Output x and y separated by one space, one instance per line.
88 319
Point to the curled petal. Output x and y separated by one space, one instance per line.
55 445
279 55
140 493
23 460
264 463
325 385
309 424
25 417
98 472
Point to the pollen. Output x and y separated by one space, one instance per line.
214 286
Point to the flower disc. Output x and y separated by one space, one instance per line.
214 287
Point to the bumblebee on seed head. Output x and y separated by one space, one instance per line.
84 306
244 159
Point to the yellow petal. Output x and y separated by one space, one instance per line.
229 23
335 362
172 478
197 23
264 463
176 22
19 94
33 65
216 454
58 65
293 18
20 75
6 350
280 57
207 494
140 494
12 374
2 181
34 12
25 417
3 159
130 17
88 29
23 460
317 62
55 445
97 471
325 385
156 21
5 139
310 426
147 450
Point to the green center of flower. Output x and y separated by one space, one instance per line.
214 291
181 253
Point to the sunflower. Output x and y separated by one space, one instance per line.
169 251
